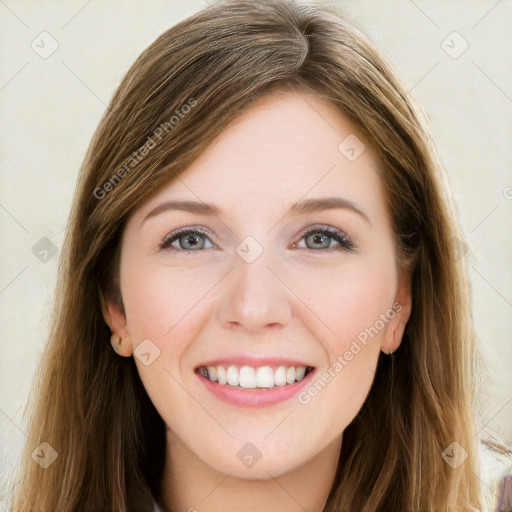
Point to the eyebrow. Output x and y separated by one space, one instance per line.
299 208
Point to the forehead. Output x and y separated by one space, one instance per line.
286 147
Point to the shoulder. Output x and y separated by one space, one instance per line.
495 463
157 508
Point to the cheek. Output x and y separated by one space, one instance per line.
353 310
352 300
336 395
349 299
166 305
158 298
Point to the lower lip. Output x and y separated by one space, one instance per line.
255 397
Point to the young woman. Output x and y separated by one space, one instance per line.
258 308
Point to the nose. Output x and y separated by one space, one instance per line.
256 296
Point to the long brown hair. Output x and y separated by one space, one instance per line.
90 405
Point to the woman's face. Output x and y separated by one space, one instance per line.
258 287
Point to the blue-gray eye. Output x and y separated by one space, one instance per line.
324 236
188 239
194 239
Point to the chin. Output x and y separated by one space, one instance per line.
257 461
262 470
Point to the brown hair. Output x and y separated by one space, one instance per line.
90 405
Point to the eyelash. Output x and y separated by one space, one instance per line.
336 234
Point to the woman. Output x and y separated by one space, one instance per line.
263 233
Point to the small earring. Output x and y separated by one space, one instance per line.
115 341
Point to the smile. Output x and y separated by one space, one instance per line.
246 385
248 377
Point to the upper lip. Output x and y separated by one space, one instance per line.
254 361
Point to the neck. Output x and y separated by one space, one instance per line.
188 484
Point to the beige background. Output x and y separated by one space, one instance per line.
51 104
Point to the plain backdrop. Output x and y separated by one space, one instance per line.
60 64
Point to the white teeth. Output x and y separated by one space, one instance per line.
212 373
265 377
232 374
249 377
280 376
221 375
290 375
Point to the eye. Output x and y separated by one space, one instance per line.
320 238
188 240
195 239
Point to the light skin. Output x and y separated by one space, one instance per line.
307 301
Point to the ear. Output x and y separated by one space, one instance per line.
402 306
114 317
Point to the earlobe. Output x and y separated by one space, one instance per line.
122 346
395 340
115 319
394 334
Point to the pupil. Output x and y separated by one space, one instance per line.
192 240
319 238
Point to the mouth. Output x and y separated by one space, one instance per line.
256 384
250 377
